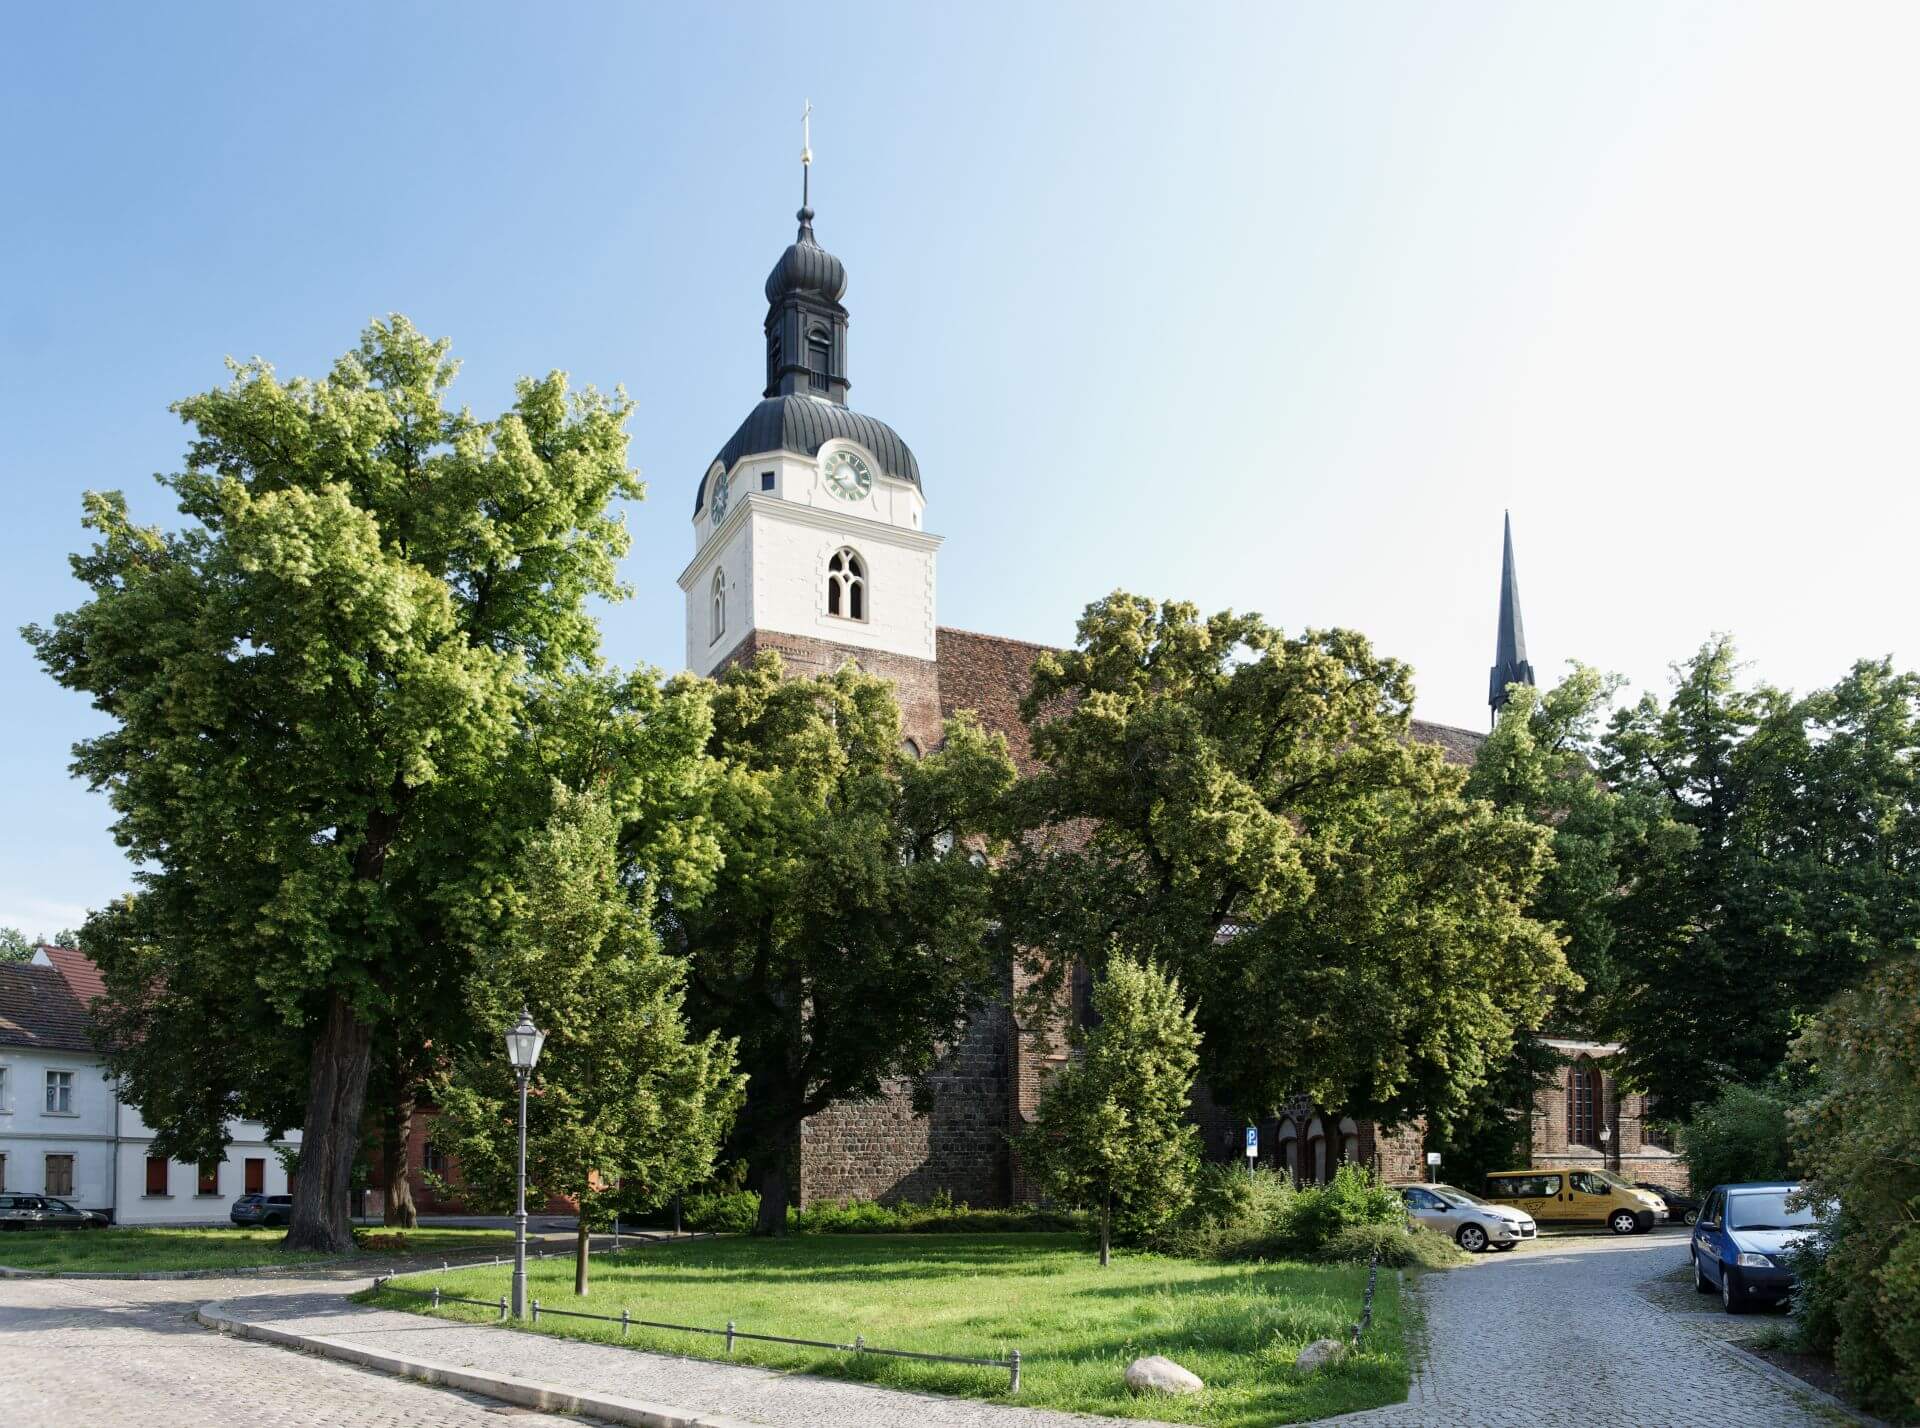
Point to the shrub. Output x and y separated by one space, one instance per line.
1741 1134
721 1211
1263 1216
939 1216
1397 1245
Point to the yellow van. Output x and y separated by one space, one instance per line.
1577 1197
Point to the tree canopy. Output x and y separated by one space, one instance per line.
848 940
1251 811
321 690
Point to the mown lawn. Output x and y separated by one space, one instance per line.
1076 1325
134 1250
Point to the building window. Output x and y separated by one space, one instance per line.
766 480
209 1181
846 585
156 1175
60 1093
6 1101
1655 1129
719 605
817 359
256 1176
1583 1104
433 1161
59 1174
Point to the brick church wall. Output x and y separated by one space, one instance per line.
916 682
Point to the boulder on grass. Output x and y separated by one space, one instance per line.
1157 1375
1319 1353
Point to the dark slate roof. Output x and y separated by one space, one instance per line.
805 424
1510 664
39 1009
807 268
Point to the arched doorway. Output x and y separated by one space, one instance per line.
1288 1151
1317 1170
1349 1141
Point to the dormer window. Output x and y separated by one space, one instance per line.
719 618
847 585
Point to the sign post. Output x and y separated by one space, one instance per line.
1433 1163
1253 1147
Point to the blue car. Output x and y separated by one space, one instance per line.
1740 1243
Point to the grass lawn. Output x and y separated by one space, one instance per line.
132 1250
1076 1325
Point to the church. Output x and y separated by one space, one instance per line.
811 538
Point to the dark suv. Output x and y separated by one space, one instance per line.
44 1212
262 1210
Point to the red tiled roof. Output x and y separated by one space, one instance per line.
79 971
38 1008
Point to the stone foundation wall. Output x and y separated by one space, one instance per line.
883 1150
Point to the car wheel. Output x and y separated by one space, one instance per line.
1624 1222
1690 1217
1471 1238
1701 1284
1730 1291
1510 1244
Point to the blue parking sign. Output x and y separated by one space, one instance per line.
1253 1142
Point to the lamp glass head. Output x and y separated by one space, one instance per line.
524 1043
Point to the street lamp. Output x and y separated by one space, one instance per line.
523 1049
1605 1135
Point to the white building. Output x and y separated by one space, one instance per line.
63 1131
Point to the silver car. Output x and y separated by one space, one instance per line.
1474 1224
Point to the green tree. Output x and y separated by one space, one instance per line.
1112 1134
317 691
1858 1137
1250 811
15 945
1741 1134
1804 842
625 1101
848 940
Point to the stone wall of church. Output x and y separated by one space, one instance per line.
916 681
1629 1150
884 1150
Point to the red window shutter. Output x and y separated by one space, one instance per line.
256 1176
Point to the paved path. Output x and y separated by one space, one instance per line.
128 1354
1565 1330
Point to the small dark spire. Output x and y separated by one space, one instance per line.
1510 641
805 215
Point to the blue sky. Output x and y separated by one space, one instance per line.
1272 306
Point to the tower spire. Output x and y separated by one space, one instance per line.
806 173
1510 664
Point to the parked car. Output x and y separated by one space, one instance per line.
1682 1209
261 1210
1473 1223
44 1212
1741 1241
1577 1197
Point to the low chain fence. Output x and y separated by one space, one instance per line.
1010 1365
1366 1304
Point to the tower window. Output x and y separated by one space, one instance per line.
766 480
817 349
846 585
719 605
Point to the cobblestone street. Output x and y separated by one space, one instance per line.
126 1354
1566 1329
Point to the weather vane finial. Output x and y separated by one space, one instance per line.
806 153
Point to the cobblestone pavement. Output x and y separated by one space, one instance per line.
1582 1330
116 1354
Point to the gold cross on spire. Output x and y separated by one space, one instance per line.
806 160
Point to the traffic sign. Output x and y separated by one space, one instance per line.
1253 1142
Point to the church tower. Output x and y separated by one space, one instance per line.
1510 640
808 526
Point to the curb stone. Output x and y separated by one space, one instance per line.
8 1272
1796 1384
522 1392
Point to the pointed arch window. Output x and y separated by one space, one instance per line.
847 585
1583 1103
719 617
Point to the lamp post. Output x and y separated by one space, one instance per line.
1605 1136
523 1050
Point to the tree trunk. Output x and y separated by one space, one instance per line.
1106 1227
329 1139
580 1250
774 1187
394 1138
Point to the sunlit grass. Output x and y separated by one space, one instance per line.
1076 1325
137 1249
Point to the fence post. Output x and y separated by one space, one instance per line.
536 1311
436 1296
1013 1364
729 1338
859 1345
503 1308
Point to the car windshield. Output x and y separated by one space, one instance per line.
1611 1178
1452 1192
60 1205
1767 1210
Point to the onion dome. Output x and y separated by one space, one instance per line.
806 269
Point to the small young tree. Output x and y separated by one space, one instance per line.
1112 1134
624 1099
1741 1134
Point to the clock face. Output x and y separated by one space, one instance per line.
847 476
719 497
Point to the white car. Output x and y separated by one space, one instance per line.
1474 1224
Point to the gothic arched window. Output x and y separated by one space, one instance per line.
1583 1103
847 585
719 605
